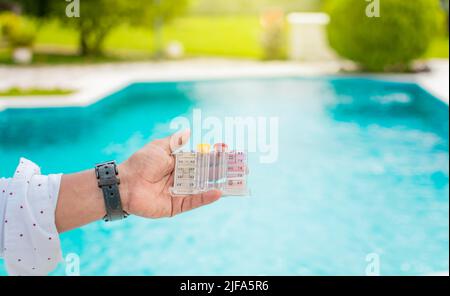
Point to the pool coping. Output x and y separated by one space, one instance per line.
90 90
112 78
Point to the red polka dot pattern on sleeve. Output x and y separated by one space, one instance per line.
29 239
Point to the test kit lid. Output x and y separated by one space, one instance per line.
203 148
220 147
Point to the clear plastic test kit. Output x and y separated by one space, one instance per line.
206 169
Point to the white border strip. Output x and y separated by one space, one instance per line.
98 82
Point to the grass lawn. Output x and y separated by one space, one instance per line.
16 92
235 36
53 57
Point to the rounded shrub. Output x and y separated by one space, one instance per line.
401 33
8 21
17 30
23 34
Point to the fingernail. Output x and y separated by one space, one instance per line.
179 139
214 193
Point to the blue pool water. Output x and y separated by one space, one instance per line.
363 169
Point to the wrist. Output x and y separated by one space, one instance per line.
124 187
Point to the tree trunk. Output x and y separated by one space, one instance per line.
158 38
91 43
83 46
98 42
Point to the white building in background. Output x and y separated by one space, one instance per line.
307 37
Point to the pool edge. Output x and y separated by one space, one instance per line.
95 90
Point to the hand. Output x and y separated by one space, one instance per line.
147 176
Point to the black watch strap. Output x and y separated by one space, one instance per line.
108 181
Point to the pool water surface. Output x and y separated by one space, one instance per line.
362 172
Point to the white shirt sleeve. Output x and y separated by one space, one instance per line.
29 239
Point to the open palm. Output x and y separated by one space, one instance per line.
147 177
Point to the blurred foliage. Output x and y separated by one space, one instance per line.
390 42
7 21
445 5
38 8
100 17
273 39
17 30
439 48
235 34
221 7
23 34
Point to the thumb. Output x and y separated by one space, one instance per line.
174 142
179 139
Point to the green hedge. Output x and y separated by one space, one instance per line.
17 30
402 33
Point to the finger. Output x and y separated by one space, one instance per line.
170 181
173 142
179 139
186 203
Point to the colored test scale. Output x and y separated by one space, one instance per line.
203 160
203 170
236 174
218 170
185 173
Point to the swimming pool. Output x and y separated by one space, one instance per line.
363 169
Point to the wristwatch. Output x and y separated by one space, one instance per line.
107 176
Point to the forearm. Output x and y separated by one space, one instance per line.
3 196
80 200
31 242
